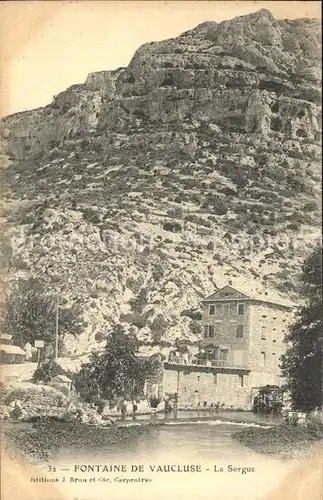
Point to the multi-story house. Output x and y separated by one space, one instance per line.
241 344
247 329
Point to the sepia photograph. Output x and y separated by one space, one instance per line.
161 250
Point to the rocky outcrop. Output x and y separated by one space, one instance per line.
250 67
147 187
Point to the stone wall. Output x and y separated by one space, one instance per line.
200 384
268 327
225 324
262 345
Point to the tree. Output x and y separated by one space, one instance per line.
30 313
302 364
118 371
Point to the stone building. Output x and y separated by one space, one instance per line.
239 351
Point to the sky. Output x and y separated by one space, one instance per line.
46 46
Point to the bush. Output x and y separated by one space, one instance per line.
159 325
194 314
38 401
140 114
46 371
175 212
220 208
228 191
172 226
310 206
168 81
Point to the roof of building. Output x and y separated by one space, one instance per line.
264 296
62 378
11 349
6 336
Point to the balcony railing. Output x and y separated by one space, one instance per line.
203 362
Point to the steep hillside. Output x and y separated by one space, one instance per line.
145 188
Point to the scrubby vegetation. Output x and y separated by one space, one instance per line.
175 145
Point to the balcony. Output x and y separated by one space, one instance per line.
211 363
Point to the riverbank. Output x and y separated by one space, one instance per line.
284 441
35 442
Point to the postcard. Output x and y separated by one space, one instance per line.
160 250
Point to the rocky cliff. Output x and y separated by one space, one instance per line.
145 188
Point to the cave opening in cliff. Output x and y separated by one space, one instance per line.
276 124
275 108
301 133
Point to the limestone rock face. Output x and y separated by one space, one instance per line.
146 187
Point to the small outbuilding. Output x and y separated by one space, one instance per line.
11 354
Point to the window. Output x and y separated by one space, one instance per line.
239 333
274 359
241 380
263 358
211 310
263 333
219 309
198 378
226 309
209 331
240 308
233 309
215 378
223 354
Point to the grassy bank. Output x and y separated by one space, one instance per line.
36 442
285 441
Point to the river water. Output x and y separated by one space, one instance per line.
218 460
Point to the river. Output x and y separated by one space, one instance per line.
207 446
